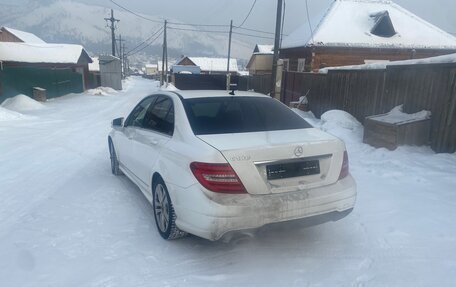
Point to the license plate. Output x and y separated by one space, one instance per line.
295 169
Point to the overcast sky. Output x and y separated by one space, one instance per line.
439 12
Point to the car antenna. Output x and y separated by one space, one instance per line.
233 88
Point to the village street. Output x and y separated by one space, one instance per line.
65 220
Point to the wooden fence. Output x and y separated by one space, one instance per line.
257 83
369 92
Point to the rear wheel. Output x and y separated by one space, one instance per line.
114 162
165 217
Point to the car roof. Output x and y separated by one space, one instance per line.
193 94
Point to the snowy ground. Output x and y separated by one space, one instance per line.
66 221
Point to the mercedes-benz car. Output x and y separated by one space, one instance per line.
211 162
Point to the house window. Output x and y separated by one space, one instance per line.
286 64
301 65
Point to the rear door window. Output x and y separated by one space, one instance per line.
136 117
160 116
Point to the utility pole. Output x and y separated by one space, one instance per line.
125 61
228 75
165 55
276 47
122 54
113 28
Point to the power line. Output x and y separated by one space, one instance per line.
148 45
308 21
254 36
134 13
197 30
250 12
145 41
253 30
198 25
157 21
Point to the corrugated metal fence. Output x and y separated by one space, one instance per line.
369 92
56 81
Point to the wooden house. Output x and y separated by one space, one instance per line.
260 62
210 65
13 35
28 62
354 32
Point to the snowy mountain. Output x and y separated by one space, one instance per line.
67 21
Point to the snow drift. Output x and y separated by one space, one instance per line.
22 103
7 115
101 91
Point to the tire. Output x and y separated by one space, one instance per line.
165 217
114 162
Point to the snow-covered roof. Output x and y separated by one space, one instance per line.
41 53
214 64
354 23
25 36
95 65
445 59
264 49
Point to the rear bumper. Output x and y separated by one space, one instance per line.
211 215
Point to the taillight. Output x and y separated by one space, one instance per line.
217 177
344 171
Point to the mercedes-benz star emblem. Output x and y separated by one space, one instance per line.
298 151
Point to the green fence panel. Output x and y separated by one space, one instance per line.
56 81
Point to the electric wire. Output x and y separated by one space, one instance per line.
134 13
198 25
250 12
253 30
148 45
308 21
157 21
254 36
197 30
145 41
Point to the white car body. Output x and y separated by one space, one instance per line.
143 155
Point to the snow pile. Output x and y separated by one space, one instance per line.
101 91
7 115
169 87
22 103
397 116
337 119
342 125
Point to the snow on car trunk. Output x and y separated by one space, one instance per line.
283 161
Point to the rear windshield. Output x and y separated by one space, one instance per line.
224 115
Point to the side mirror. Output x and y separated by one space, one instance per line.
117 122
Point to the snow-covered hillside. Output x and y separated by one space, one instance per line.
67 21
65 220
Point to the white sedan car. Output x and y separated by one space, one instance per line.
211 162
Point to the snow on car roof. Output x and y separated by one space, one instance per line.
351 23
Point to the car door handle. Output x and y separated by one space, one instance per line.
154 142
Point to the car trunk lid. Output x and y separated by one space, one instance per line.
281 161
